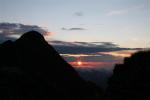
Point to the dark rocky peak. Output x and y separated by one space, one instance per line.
31 38
31 69
131 80
140 57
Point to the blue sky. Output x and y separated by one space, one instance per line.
124 22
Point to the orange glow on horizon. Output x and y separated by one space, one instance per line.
123 53
79 63
84 64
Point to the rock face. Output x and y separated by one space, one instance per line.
30 69
131 80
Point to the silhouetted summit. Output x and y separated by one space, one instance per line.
31 69
33 35
131 80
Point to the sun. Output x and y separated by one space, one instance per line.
79 63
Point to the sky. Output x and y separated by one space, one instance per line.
124 22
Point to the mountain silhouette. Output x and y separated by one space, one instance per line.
131 80
31 69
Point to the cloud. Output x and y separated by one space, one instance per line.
121 53
117 12
73 29
85 47
124 11
76 29
15 30
78 14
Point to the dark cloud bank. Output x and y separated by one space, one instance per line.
85 47
14 30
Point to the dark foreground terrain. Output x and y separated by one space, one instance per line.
30 69
131 80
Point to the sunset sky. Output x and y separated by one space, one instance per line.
85 32
124 22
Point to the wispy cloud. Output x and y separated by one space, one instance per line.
124 11
116 12
73 29
121 53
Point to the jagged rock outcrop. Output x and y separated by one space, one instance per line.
131 80
31 69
